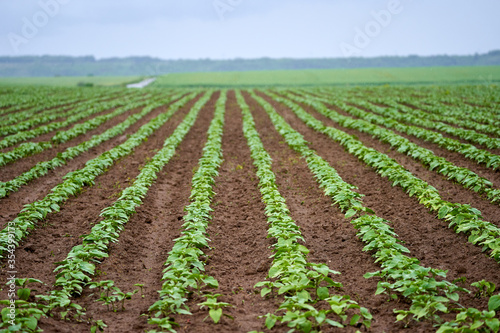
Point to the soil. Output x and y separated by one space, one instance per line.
240 252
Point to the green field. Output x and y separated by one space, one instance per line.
68 81
422 75
314 77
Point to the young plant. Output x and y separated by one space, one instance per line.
98 326
110 294
485 288
215 308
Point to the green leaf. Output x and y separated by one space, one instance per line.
87 267
24 293
265 291
350 213
320 317
274 272
270 321
286 288
453 296
304 296
476 324
370 275
211 282
183 311
31 322
215 314
401 316
323 293
322 269
334 323
442 212
366 313
494 303
494 324
354 320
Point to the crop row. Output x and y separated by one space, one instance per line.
463 218
469 151
25 98
291 274
41 168
16 125
73 182
77 270
31 148
468 98
185 270
469 135
22 119
464 176
400 273
463 115
448 118
309 299
83 113
467 104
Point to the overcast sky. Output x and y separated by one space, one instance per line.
221 29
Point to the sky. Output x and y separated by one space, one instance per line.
226 29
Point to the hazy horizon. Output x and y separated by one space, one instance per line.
232 29
236 58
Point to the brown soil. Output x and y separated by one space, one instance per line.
239 254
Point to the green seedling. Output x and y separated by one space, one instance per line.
215 308
141 286
485 288
110 294
98 326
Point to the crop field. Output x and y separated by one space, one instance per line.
307 209
314 77
69 81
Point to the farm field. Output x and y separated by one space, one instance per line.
333 209
69 81
480 75
483 75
